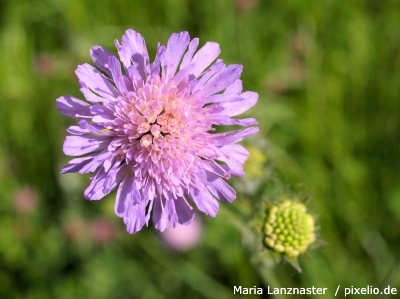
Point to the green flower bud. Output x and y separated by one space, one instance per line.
254 165
289 229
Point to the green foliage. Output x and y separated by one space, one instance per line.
328 77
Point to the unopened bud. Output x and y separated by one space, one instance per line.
289 229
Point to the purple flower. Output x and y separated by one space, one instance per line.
183 237
148 129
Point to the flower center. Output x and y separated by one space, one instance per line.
154 118
157 125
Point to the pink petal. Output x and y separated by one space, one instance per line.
176 47
204 57
81 145
100 58
96 81
132 51
72 107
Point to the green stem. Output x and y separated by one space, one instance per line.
262 260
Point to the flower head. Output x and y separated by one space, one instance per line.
26 200
147 129
183 237
289 229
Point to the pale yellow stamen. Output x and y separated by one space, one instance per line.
143 128
155 131
146 140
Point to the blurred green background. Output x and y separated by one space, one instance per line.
328 75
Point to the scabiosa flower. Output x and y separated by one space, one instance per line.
148 129
26 200
183 237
